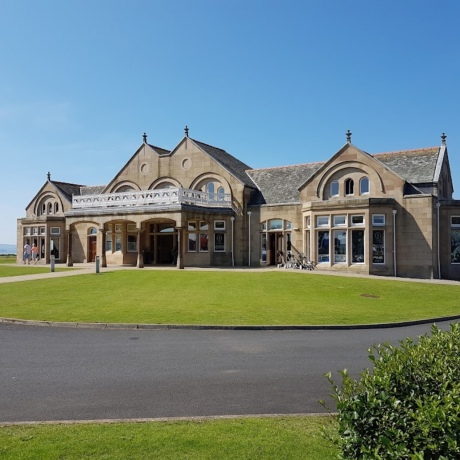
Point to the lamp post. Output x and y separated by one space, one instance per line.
249 237
233 257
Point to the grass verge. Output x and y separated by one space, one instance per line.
223 297
245 438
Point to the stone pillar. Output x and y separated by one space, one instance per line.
180 256
69 262
140 256
103 256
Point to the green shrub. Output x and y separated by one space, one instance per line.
408 405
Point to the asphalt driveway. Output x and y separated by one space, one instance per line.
50 373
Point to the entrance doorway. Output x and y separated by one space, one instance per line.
165 249
92 248
275 244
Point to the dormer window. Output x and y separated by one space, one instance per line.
364 186
349 187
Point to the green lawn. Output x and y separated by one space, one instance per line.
7 259
263 297
280 438
17 270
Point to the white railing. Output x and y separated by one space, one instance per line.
159 197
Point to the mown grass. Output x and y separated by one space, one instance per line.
280 438
226 298
18 270
7 259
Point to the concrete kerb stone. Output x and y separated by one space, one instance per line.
197 327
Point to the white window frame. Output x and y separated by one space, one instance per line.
375 220
343 219
55 231
327 220
131 246
368 186
219 225
357 224
456 225
335 182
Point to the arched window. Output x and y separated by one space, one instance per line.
125 188
43 209
335 188
56 208
92 231
50 208
349 187
220 193
363 186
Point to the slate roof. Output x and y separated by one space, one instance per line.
159 150
415 166
67 189
236 167
281 185
93 190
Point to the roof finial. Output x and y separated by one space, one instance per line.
443 139
186 131
349 137
49 176
144 137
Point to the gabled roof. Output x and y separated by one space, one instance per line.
159 150
415 166
234 166
281 185
91 190
66 189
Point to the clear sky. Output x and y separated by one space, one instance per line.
271 82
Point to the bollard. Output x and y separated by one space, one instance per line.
52 264
97 264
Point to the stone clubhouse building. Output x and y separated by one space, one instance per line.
389 214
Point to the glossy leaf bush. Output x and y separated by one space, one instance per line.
408 405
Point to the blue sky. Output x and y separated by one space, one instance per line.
271 82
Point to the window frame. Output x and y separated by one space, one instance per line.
375 223
365 178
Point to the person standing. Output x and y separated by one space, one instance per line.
34 252
27 251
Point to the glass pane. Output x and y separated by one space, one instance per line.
334 188
339 220
340 246
219 242
276 224
203 242
264 247
455 246
322 221
192 242
323 246
364 185
378 247
203 225
357 220
192 225
357 246
166 228
132 243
